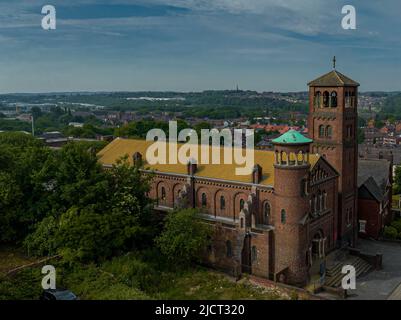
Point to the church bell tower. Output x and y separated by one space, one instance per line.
332 124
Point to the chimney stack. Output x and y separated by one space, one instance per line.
192 167
256 174
137 159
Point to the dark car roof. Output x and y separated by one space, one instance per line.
62 294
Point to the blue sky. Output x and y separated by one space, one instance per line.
191 45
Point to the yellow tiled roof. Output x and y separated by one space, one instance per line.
120 147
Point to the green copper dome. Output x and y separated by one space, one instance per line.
292 137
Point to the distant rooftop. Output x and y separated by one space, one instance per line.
333 79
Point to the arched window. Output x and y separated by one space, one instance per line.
254 254
242 223
329 131
326 99
353 100
283 157
317 99
314 201
163 195
222 203
266 213
283 216
241 204
333 98
347 99
324 200
321 202
321 131
204 200
229 250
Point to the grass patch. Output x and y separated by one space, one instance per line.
135 277
11 257
202 284
25 285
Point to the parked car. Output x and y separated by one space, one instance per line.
58 294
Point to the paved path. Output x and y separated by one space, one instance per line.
383 284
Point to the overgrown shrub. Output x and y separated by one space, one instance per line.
184 236
397 225
390 232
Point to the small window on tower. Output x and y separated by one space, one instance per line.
321 131
318 96
333 99
317 99
353 100
347 99
329 132
326 99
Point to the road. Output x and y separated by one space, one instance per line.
383 284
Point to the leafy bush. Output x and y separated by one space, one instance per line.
92 282
397 225
25 285
42 241
390 232
183 237
135 271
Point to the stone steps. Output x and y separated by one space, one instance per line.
334 275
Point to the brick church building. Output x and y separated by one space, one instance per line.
298 205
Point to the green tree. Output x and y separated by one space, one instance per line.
113 215
184 237
22 157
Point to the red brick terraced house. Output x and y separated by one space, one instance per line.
374 196
298 204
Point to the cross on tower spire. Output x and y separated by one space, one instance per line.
334 62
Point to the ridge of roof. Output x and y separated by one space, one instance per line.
121 147
372 187
332 79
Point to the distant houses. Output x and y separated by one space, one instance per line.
388 135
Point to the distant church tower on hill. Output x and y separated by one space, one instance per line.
332 123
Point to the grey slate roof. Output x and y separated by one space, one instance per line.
371 185
374 175
333 79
